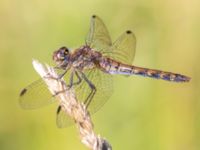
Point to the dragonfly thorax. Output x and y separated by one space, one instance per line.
85 58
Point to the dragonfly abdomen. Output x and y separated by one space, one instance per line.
114 67
158 74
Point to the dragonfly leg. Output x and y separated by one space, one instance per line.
93 90
90 97
72 83
60 76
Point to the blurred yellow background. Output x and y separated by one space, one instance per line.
142 114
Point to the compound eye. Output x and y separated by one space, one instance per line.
65 50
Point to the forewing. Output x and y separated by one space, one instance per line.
35 95
123 49
98 36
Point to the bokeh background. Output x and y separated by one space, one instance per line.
142 114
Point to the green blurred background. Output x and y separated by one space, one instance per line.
143 114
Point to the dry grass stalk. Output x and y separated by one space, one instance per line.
76 110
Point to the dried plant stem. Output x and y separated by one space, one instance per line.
76 110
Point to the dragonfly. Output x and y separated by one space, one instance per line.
90 68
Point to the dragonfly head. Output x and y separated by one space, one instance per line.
61 56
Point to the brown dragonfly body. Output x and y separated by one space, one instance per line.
86 58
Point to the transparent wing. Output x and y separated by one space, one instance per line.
104 85
98 36
62 119
35 95
123 49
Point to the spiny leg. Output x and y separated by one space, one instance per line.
71 76
71 82
59 76
79 79
93 90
